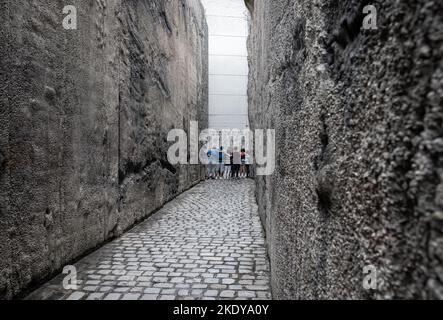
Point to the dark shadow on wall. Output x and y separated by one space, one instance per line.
250 5
83 127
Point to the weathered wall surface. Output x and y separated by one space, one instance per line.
84 119
359 123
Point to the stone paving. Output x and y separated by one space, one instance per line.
206 244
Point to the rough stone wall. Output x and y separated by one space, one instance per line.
359 124
84 119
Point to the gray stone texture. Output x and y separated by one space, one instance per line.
198 246
358 118
83 124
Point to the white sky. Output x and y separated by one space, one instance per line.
228 65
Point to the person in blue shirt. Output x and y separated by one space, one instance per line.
212 162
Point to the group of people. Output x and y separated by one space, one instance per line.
227 164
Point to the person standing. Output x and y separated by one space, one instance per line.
212 162
236 163
243 163
248 165
221 163
228 164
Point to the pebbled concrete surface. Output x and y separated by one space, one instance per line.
206 244
358 118
83 124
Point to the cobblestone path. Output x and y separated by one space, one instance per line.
206 244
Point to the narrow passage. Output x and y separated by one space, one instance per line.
206 244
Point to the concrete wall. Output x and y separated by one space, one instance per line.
84 119
358 117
